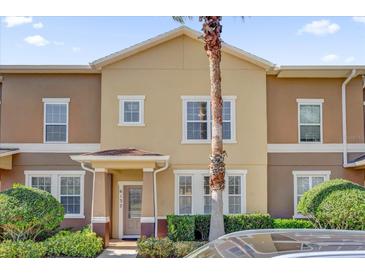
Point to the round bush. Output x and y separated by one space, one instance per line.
336 204
26 213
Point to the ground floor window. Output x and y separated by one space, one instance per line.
193 195
66 186
304 181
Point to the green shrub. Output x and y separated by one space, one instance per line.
82 243
292 223
237 222
26 213
202 224
181 228
165 248
184 248
22 249
155 248
336 204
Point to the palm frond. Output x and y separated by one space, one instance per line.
182 19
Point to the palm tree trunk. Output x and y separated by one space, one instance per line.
212 29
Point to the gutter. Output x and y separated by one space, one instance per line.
344 122
155 193
93 190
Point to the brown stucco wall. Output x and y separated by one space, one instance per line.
48 161
281 180
22 106
282 108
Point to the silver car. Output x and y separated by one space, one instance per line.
291 243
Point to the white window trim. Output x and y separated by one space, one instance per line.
55 101
197 189
303 102
311 173
56 186
186 99
131 98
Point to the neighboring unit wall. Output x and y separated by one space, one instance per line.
281 179
22 106
282 108
282 111
163 74
52 162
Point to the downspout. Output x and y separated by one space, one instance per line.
155 193
344 122
92 195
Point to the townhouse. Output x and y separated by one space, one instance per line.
124 141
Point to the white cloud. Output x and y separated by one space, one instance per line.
36 40
321 27
58 43
350 59
329 58
38 25
359 19
12 21
76 49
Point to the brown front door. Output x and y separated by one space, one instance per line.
132 210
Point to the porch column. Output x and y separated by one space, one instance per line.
101 211
147 218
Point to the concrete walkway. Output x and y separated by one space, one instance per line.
120 249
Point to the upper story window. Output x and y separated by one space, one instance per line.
310 120
66 186
56 120
197 119
304 181
131 110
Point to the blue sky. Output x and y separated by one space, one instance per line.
281 40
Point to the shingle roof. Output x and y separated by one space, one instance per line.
124 152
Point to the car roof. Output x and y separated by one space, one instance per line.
275 242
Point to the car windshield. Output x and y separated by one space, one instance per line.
272 243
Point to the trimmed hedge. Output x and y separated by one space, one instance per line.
237 222
165 248
181 228
292 223
26 213
22 249
336 204
196 227
84 243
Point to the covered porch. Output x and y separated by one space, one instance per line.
124 199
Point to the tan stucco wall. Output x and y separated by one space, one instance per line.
165 73
281 180
48 161
282 108
22 106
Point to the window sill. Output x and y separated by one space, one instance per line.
74 216
130 125
299 216
199 142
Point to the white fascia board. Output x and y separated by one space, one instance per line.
52 148
313 148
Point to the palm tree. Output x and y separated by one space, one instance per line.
212 29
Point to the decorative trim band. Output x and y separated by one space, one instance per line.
100 169
52 148
313 148
147 169
147 219
100 220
